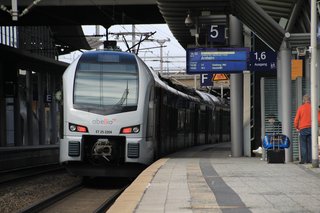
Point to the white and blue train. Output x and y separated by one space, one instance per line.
119 116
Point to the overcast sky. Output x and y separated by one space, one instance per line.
149 50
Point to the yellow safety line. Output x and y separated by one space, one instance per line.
130 198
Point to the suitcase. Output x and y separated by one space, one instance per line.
275 143
275 155
275 148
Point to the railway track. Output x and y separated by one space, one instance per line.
80 198
22 173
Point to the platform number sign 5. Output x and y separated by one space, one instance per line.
216 33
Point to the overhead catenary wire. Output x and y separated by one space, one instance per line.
138 30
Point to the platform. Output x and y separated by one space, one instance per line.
206 179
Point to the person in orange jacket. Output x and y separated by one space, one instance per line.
302 123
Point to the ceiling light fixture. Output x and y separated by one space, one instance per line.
188 21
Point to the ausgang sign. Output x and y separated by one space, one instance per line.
216 60
263 61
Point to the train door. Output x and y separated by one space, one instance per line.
194 117
157 123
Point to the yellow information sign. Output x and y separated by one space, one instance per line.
220 77
296 68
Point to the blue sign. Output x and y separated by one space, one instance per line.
263 61
216 33
216 60
206 79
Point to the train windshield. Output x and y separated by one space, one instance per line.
106 83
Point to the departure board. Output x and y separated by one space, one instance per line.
216 60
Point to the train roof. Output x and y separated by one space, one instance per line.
118 56
191 93
214 98
104 56
204 96
201 95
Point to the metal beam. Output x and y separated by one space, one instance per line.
294 14
82 2
299 40
260 22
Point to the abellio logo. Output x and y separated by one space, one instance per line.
105 121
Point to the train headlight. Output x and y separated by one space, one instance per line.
72 127
77 128
136 129
130 130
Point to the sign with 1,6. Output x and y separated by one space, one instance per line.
260 56
263 61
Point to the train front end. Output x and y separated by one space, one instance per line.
105 97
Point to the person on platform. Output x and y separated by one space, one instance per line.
302 123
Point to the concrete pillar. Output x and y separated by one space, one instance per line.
53 110
307 72
29 99
236 90
41 116
263 113
3 133
19 118
317 71
246 114
314 83
247 100
279 100
299 95
286 96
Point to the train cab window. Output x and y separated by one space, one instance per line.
106 83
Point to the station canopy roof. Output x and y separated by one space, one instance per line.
270 20
65 17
